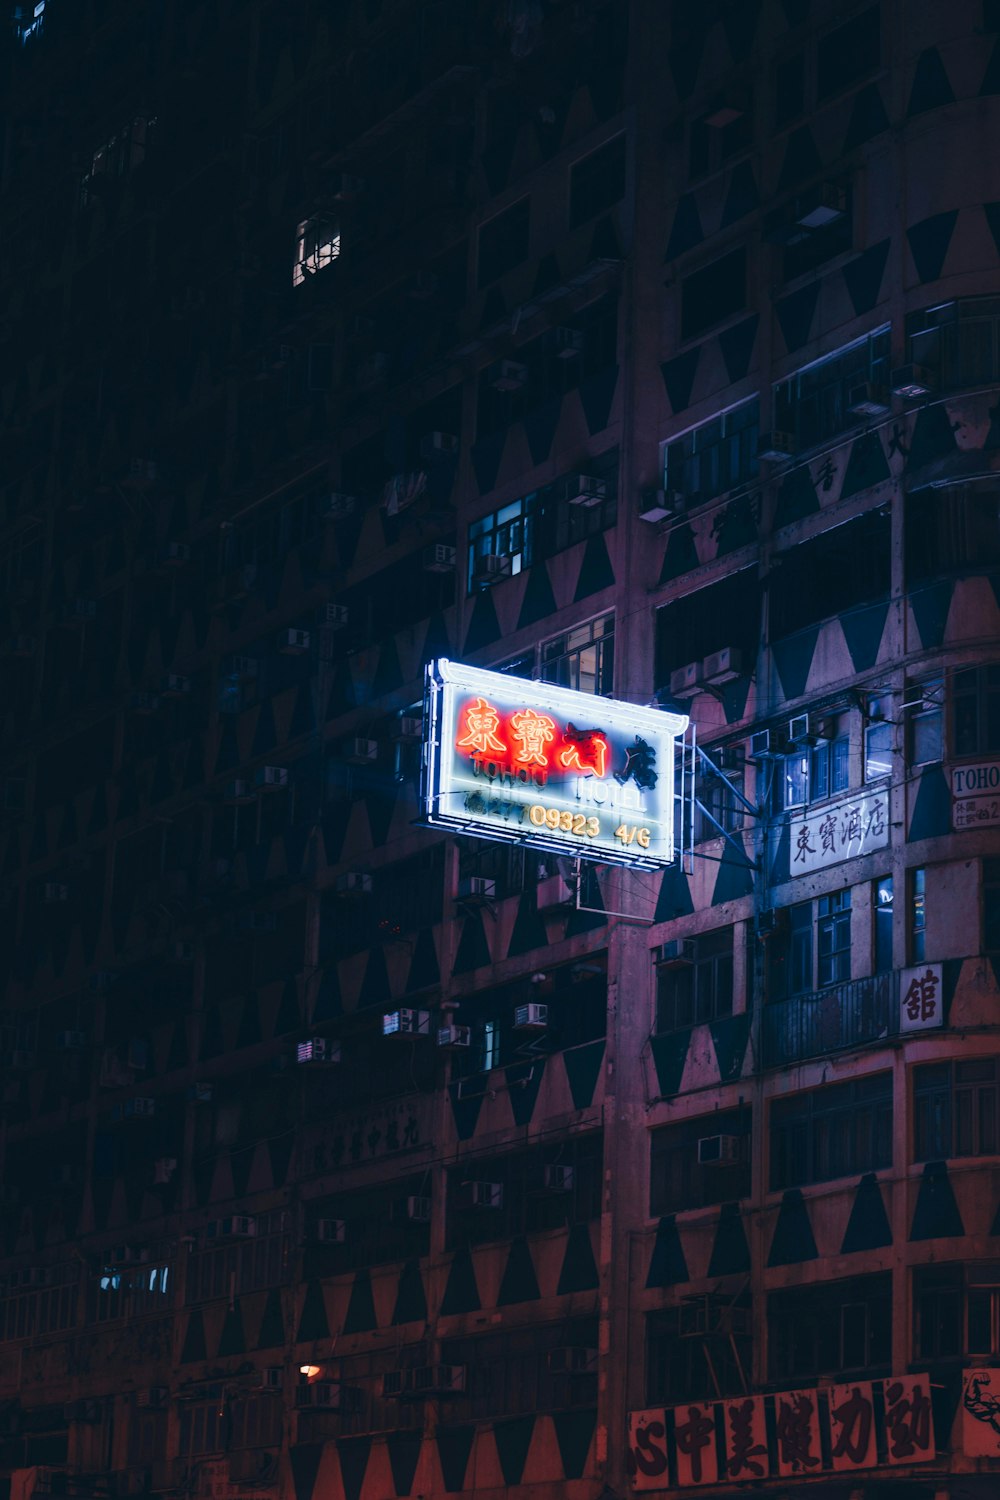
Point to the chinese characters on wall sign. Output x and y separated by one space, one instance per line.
858 1425
538 764
920 1002
842 830
975 795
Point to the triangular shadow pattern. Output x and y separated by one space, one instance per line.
793 1239
868 1226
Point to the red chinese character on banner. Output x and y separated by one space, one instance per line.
694 1431
852 1426
921 997
586 750
533 732
746 1439
908 1428
647 1455
480 723
797 1430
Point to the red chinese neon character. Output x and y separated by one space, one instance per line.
593 746
481 724
533 731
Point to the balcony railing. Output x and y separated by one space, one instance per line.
844 1015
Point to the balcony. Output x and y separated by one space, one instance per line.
844 1015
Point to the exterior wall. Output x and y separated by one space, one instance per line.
205 932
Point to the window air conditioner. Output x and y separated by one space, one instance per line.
134 1109
409 727
425 284
143 703
406 1023
332 1231
258 921
558 1179
271 777
174 685
765 744
775 446
344 187
393 1383
22 645
584 490
573 1361
71 1041
454 1036
439 445
175 554
238 791
531 1017
358 751
151 1397
868 400
490 568
271 1378
477 888
507 375
722 666
199 1093
293 642
820 206
243 668
660 505
563 343
483 1194
438 558
418 1209
685 682
233 1227
354 883
437 1380
54 891
339 506
318 1049
679 953
718 1150
334 616
553 892
327 1395
911 382
19 1058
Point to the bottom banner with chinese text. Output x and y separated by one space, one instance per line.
858 1425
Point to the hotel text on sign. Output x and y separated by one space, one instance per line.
532 763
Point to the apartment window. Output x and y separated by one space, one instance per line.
255 1421
841 1130
883 924
991 905
528 1200
317 245
378 1223
699 1162
699 988
833 938
958 341
29 22
713 294
811 775
722 132
812 930
975 711
925 718
245 1265
540 524
834 572
202 1425
597 182
813 404
848 53
582 658
525 1369
955 1107
717 803
956 1311
949 531
707 620
27 1312
918 916
700 1350
503 242
129 1291
576 998
839 1327
878 738
117 157
510 867
714 457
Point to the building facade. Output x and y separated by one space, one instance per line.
648 349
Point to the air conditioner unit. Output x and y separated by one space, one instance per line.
418 1209
331 1231
233 1227
84 1410
563 343
507 375
558 1179
175 685
425 284
20 1057
327 1395
660 505
437 1380
768 922
531 1017
765 744
143 703
372 370
257 921
175 554
271 777
820 206
678 953
344 187
775 446
79 610
21 645
685 682
334 616
71 1041
553 892
911 382
439 445
722 666
483 1194
125 1255
573 1361
270 1378
151 1397
199 1093
803 734
868 400
243 668
354 883
409 727
584 490
54 891
477 888
438 558
406 1023
293 642
358 751
718 1150
394 1383
133 1109
239 790
338 506
318 1049
454 1036
143 471
490 568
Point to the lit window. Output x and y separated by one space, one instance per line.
814 404
28 21
582 658
883 925
878 740
918 916
317 244
117 157
975 716
925 710
716 456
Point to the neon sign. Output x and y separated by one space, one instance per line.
536 764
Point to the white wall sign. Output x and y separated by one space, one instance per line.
841 830
975 795
531 763
920 1001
